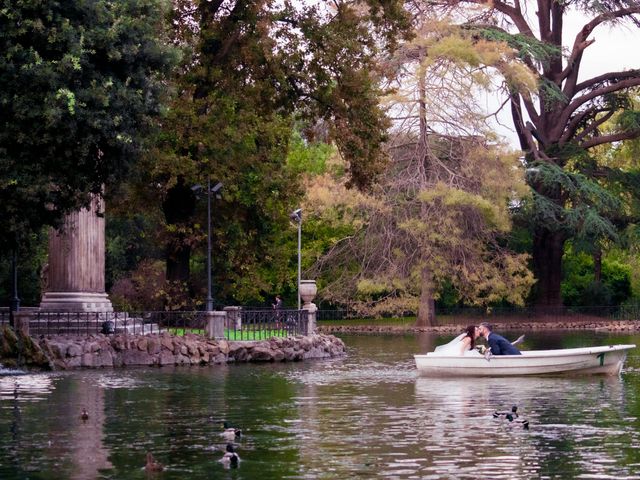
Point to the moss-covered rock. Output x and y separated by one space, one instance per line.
18 349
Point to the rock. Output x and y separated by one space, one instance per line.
167 342
87 360
224 346
136 357
143 344
166 358
262 354
239 355
74 350
191 347
117 343
73 362
104 359
153 346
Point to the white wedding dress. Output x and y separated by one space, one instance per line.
453 348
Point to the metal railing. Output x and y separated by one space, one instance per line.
262 324
89 323
239 324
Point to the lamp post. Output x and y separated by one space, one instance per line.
296 216
216 191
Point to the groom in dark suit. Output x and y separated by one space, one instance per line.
498 344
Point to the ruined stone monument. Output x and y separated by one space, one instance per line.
75 273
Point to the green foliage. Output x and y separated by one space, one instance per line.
306 157
79 85
256 71
528 47
585 211
580 289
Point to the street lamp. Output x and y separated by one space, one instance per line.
216 191
296 216
15 301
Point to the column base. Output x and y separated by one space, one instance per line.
75 302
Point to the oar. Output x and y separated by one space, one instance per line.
518 340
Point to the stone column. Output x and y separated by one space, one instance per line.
75 279
308 290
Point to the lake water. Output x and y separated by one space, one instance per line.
368 415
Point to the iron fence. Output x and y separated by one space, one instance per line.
239 325
89 323
265 323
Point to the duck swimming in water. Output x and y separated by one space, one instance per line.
513 417
230 433
152 464
230 459
510 415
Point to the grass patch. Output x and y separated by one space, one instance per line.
254 334
240 335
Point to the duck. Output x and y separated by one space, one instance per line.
230 433
513 417
510 415
84 415
152 464
230 459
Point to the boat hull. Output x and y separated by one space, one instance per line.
607 360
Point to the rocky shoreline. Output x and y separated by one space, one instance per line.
604 325
96 351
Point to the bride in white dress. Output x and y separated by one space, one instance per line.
463 344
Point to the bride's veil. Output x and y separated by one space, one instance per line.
452 346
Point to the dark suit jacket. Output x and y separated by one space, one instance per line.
501 346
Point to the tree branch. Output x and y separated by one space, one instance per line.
593 126
575 122
610 76
575 104
570 73
614 137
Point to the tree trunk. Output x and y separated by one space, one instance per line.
178 255
597 265
426 308
178 208
548 248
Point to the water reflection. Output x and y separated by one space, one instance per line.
25 387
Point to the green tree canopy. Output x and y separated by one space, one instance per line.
80 83
254 71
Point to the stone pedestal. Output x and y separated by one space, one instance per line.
75 275
215 325
308 290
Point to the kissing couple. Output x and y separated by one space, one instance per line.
465 343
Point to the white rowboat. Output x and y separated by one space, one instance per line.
605 360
